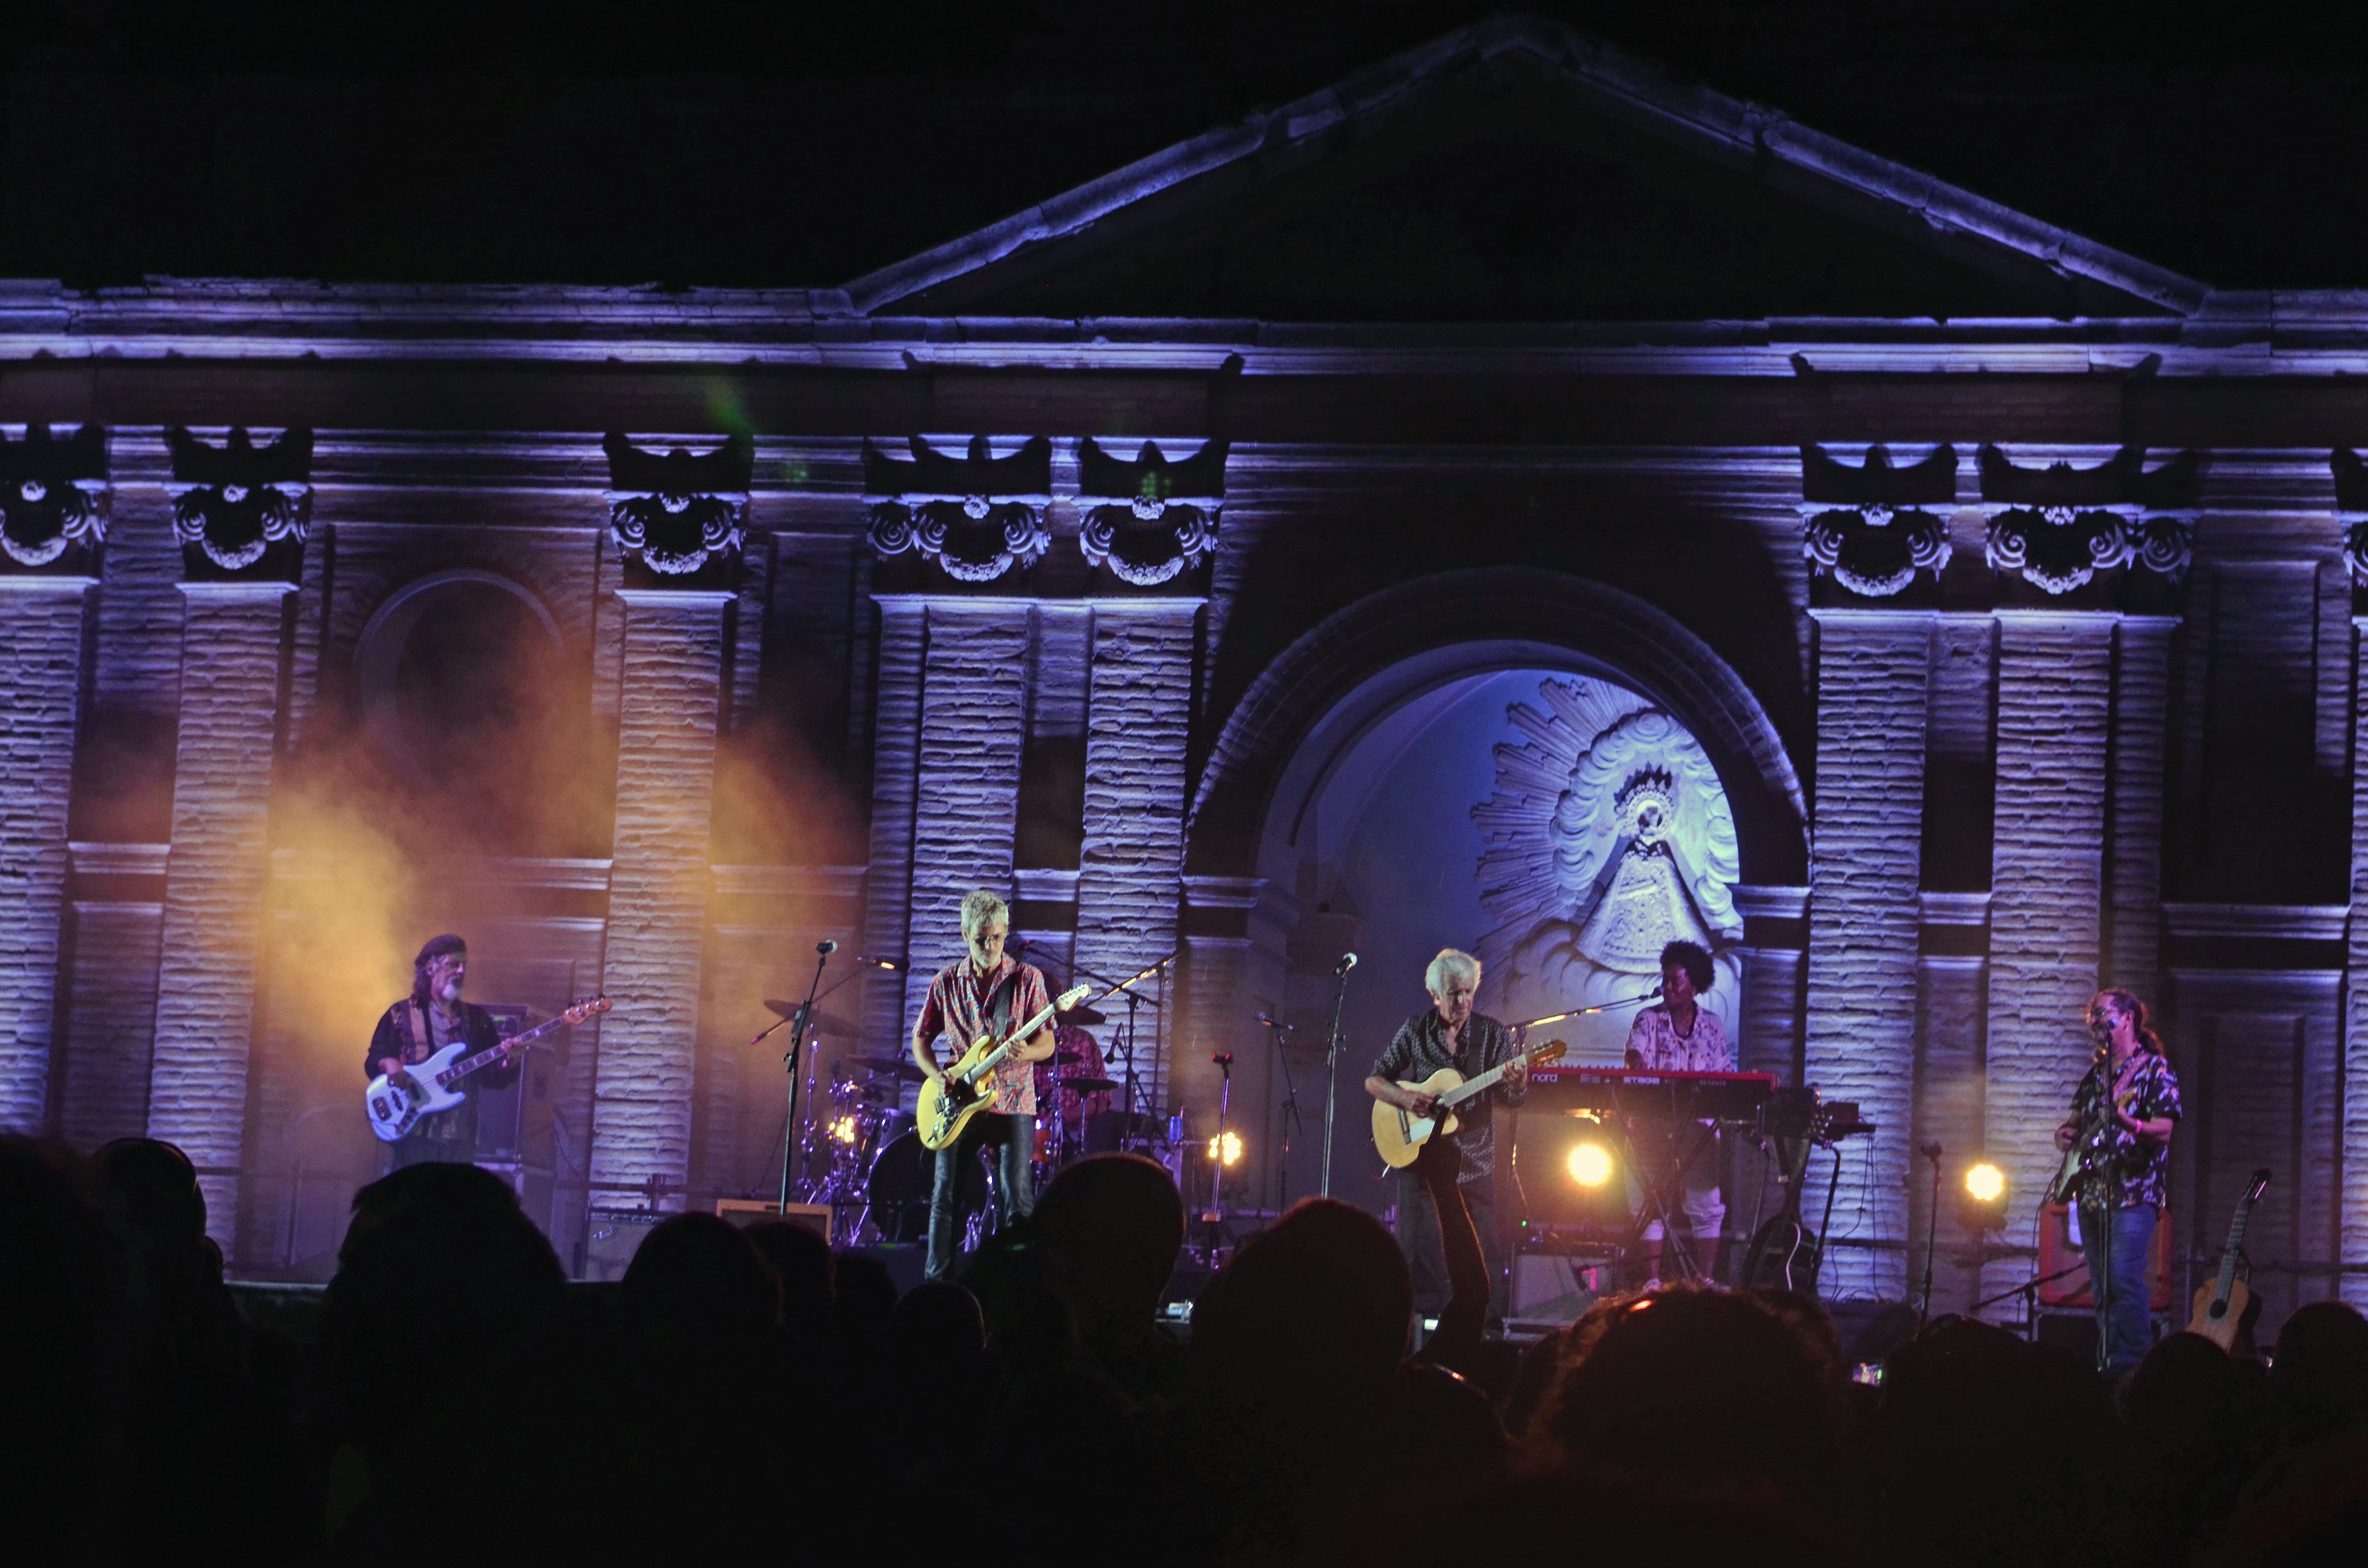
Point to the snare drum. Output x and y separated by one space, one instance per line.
898 1187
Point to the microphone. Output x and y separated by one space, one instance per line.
1929 1151
1223 1058
1348 961
825 947
1274 1023
894 966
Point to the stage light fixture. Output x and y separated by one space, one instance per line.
1982 1204
1231 1155
1590 1164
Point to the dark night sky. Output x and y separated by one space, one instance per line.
728 142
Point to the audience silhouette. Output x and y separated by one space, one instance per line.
746 1392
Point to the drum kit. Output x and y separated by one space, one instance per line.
860 1150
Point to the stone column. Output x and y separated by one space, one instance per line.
231 657
2353 1135
1873 679
657 890
895 762
2056 678
967 795
2133 868
41 621
1130 879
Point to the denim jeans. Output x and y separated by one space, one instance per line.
2119 1246
1013 1139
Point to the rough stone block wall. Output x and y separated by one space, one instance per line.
895 778
966 797
2134 865
139 604
212 944
1211 1016
41 687
2055 685
1129 883
1767 1040
1873 679
657 891
1949 1092
113 988
2255 1053
2355 1022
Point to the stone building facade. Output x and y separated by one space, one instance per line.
2007 580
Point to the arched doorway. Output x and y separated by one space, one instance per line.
1411 804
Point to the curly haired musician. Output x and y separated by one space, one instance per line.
1450 1192
985 991
2129 1100
1680 1036
423 1023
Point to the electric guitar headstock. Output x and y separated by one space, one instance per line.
1071 997
591 1007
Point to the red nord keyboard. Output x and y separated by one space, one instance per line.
1730 1097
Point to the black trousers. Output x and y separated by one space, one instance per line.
1012 1138
1439 1220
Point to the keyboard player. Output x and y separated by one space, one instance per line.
1680 1036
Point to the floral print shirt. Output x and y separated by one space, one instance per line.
2135 1170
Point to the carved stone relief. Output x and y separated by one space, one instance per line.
676 512
234 501
53 494
977 517
2056 527
1152 519
1870 527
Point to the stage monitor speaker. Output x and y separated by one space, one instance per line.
1549 1291
2075 1334
747 1211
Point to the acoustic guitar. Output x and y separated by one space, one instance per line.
2227 1308
947 1104
2088 1151
1400 1134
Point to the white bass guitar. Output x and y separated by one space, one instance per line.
395 1103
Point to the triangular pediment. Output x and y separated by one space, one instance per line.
1520 172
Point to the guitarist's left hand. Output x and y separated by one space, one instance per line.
1517 1073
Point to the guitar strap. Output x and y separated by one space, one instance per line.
998 1003
415 1030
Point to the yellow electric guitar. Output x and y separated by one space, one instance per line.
1400 1134
947 1104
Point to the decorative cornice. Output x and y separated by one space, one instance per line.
52 495
1954 908
674 513
2270 922
2058 527
1149 520
233 503
977 517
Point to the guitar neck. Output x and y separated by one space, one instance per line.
993 1059
2235 1246
1489 1080
494 1053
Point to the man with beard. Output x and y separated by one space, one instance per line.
423 1023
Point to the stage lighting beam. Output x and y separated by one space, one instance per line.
1590 1164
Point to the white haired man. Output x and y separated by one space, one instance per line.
981 993
1447 1199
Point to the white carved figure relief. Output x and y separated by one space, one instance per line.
1609 837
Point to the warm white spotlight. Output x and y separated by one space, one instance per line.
1590 1165
1231 1150
1984 1183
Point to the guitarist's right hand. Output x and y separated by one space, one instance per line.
1420 1104
389 1067
2065 1136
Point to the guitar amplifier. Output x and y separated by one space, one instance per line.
747 1211
2059 1248
611 1238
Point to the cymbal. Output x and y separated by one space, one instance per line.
1090 1085
1079 1017
896 1064
821 1023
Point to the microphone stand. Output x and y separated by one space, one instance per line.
1287 1121
1131 1138
1332 1073
790 1060
1931 1229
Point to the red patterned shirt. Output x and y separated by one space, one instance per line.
958 1005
